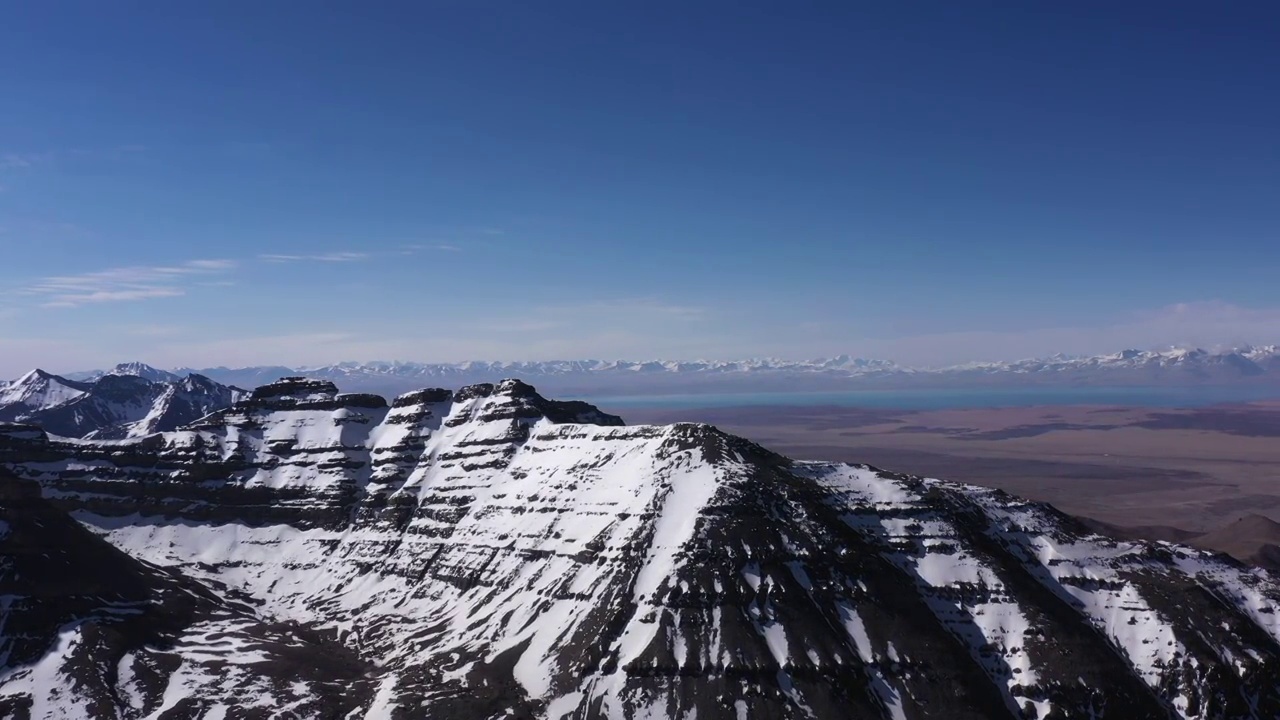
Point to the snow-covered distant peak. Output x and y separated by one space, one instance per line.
1259 352
1178 353
144 371
851 363
38 390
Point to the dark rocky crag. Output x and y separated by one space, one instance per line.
489 553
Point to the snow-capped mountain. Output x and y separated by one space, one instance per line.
144 371
1243 362
37 391
1178 366
115 404
491 553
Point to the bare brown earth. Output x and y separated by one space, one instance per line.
1155 473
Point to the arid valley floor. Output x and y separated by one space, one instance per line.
1206 476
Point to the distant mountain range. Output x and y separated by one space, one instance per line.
131 400
1179 366
135 399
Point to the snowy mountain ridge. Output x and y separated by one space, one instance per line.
845 364
132 400
488 552
1248 364
146 372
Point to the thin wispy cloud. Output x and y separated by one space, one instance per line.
323 257
453 240
15 161
29 160
52 229
123 284
416 248
153 330
211 265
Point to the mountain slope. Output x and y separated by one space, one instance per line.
88 631
491 552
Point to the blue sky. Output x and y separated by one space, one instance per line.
289 182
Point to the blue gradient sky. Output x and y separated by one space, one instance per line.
293 182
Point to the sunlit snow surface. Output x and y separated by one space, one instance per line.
614 571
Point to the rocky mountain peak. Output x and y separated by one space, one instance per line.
297 389
34 375
515 399
423 397
145 371
195 382
37 390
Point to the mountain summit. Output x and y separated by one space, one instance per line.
488 552
144 371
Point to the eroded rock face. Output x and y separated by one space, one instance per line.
489 552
